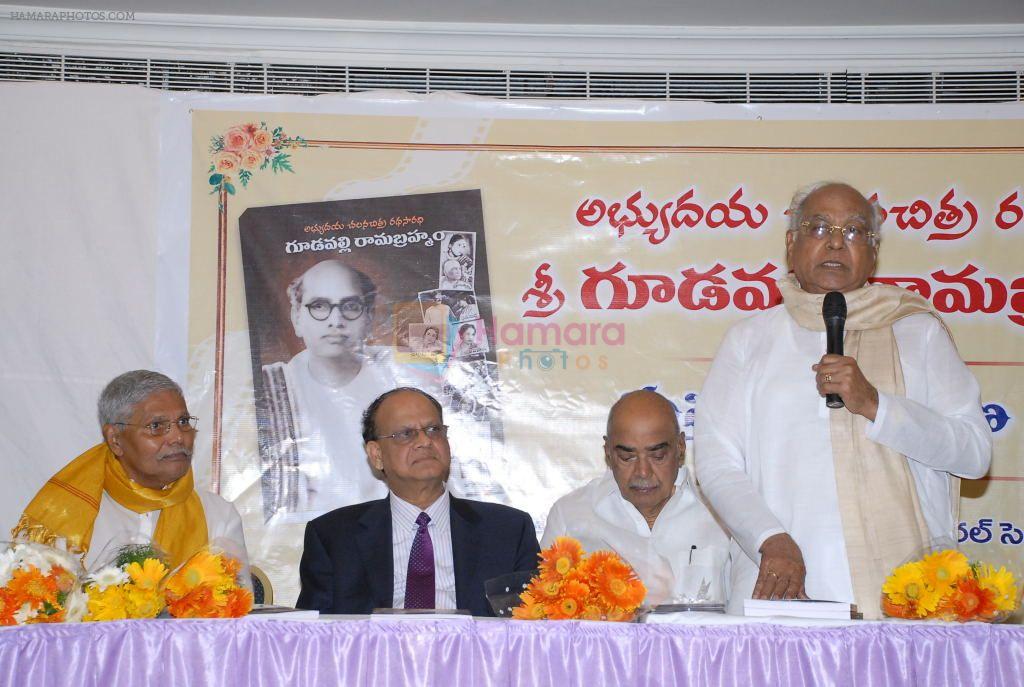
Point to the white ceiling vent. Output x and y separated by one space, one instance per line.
237 77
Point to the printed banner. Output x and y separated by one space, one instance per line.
529 265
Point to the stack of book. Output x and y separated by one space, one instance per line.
798 608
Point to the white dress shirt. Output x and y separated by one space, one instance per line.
764 450
403 531
116 526
685 549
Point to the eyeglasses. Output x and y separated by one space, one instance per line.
158 428
406 436
350 308
853 235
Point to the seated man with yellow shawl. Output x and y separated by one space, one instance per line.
136 485
824 503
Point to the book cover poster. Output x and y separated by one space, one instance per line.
346 300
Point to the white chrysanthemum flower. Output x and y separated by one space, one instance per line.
75 606
107 577
59 558
31 555
8 564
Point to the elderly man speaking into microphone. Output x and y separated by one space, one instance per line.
823 502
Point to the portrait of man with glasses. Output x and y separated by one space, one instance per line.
330 307
315 399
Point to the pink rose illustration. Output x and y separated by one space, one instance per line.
251 159
227 162
237 138
261 139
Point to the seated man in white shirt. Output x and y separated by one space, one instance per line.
137 485
646 508
420 547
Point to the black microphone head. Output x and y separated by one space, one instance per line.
834 306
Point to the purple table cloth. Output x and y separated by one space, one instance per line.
507 653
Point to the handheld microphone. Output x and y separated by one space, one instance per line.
833 311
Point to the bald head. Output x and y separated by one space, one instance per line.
644 450
642 403
871 210
331 272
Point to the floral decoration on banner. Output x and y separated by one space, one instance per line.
945 585
572 584
130 586
208 585
245 148
38 584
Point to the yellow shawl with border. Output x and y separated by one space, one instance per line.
67 505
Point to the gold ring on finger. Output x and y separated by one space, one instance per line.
828 379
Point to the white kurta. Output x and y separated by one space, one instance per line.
764 451
333 470
116 526
685 548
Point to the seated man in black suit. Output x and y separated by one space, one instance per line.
420 547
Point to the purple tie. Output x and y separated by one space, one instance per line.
419 583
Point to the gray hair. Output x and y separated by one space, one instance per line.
796 206
118 399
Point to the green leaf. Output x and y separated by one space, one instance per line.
216 179
230 188
281 162
134 553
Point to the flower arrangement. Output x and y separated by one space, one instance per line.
945 585
38 584
572 584
130 586
243 149
208 585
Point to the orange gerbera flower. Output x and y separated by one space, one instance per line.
238 604
592 612
232 566
593 564
529 609
895 610
56 617
618 585
34 587
545 589
561 557
198 603
570 603
619 615
970 600
63 580
8 605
